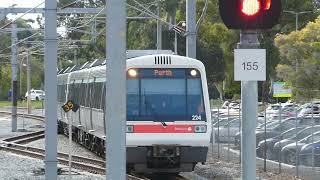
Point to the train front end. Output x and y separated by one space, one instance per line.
168 114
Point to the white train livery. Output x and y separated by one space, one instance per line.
168 111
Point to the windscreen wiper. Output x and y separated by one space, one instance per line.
164 124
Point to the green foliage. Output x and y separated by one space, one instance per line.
215 43
5 66
300 66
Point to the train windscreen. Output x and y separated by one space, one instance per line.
164 95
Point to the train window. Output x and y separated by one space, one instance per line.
103 99
90 97
97 90
83 88
86 93
133 97
165 95
63 93
195 99
71 92
99 94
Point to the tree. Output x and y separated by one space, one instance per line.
213 35
212 58
5 65
299 65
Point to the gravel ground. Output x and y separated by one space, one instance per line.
228 167
16 167
24 126
63 146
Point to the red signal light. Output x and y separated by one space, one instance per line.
250 7
250 14
267 5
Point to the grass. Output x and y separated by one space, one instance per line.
34 104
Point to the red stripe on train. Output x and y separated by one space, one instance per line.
163 129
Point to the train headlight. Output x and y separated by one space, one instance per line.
129 129
200 128
132 73
193 72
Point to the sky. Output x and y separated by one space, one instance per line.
24 4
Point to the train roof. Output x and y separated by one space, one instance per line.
99 62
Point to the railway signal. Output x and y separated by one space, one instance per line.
250 14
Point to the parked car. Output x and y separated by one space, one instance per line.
309 109
228 131
269 143
223 121
288 152
259 127
300 135
275 128
310 154
36 95
272 109
272 129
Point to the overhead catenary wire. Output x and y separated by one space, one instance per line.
19 42
203 15
146 9
151 15
6 25
71 29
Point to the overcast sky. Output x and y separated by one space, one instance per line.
24 4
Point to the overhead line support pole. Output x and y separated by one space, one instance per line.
115 115
28 83
159 28
50 59
249 107
191 29
14 87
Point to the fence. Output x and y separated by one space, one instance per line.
287 137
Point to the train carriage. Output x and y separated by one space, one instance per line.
168 111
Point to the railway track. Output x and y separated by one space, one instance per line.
77 165
25 138
31 116
17 145
14 145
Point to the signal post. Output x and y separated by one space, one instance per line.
249 65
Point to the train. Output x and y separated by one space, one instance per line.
168 127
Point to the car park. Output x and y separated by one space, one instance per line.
269 143
288 152
310 154
272 129
276 128
228 131
300 135
309 109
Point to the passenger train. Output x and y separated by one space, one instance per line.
168 112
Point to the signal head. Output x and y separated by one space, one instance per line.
250 14
250 7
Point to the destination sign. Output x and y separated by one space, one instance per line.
167 72
162 73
